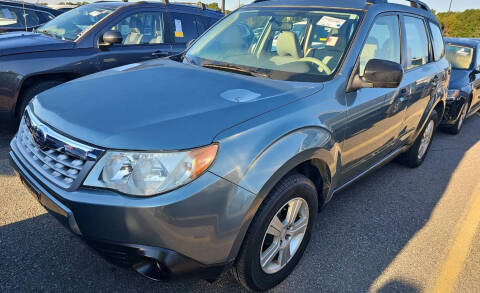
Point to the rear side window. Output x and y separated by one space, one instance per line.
201 24
183 27
437 42
417 42
383 42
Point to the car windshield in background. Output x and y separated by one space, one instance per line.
72 24
460 57
283 44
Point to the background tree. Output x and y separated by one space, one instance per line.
464 24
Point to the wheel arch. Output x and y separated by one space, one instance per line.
31 80
316 159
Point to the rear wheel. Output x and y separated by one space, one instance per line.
32 91
457 127
417 153
278 235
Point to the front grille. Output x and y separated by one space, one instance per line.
55 159
56 166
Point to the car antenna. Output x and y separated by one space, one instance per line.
24 15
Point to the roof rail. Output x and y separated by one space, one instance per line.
199 4
413 3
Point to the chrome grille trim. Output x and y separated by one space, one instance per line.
61 160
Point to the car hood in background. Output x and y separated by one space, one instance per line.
26 42
160 105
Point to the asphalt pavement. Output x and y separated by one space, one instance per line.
396 230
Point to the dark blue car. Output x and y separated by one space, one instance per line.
464 90
92 38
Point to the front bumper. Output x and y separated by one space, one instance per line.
453 110
192 230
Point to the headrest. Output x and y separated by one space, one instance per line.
134 22
288 45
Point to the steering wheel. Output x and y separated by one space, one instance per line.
321 65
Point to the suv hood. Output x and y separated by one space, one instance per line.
160 105
26 42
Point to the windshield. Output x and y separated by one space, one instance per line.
278 43
460 57
72 24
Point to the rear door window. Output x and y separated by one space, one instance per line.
417 42
183 27
438 43
202 24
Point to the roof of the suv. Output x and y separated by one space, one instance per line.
463 42
183 6
30 6
416 6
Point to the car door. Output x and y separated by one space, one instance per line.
376 115
143 35
423 77
182 29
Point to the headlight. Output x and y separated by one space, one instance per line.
453 94
149 173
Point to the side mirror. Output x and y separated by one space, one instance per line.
111 37
379 74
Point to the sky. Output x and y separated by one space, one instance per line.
438 5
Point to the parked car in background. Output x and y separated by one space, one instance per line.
92 38
221 156
19 16
464 90
62 7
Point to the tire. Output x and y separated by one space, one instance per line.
32 91
457 127
417 153
294 189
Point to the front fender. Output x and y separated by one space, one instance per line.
261 173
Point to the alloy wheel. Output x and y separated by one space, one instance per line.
426 139
284 235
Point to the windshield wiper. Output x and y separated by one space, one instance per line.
236 69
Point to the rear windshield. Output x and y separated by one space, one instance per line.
459 56
279 43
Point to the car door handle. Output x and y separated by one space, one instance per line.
160 54
403 95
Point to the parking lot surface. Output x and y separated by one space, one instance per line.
396 230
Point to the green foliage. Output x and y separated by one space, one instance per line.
464 24
215 6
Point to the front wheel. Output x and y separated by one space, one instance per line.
278 235
417 153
